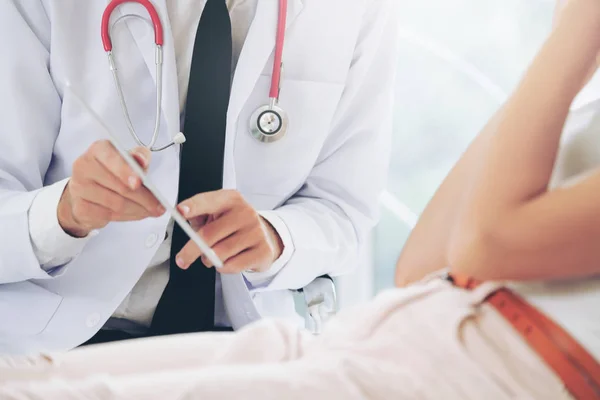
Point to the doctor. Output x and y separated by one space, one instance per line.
87 254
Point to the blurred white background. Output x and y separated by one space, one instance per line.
459 60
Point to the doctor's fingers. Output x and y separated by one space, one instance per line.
238 222
141 196
89 215
225 249
259 254
215 202
119 207
253 259
217 229
229 249
105 153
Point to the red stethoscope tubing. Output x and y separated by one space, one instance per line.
158 28
280 41
159 37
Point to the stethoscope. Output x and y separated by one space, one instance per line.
268 123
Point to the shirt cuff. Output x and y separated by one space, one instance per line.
257 280
51 244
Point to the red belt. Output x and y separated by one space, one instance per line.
577 369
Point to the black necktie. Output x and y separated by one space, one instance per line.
188 302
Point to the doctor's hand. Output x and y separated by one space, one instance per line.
242 239
103 188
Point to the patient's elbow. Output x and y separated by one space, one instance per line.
476 251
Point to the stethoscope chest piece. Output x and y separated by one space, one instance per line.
269 123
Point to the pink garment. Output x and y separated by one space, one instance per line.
429 341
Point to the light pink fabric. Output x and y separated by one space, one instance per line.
429 341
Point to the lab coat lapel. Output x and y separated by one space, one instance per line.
143 36
259 46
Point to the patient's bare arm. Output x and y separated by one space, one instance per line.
425 250
511 226
430 248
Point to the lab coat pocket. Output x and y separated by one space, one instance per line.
26 308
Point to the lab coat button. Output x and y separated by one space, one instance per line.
151 240
92 320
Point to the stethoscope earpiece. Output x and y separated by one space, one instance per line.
179 138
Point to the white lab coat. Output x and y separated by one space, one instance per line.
323 179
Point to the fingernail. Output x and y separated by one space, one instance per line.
132 182
179 262
143 159
161 210
185 210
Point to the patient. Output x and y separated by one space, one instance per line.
493 219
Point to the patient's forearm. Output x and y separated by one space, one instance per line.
553 237
512 228
520 161
425 251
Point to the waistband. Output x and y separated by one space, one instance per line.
577 369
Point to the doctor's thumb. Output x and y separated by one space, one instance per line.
142 155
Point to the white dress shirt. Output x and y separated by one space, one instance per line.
53 247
